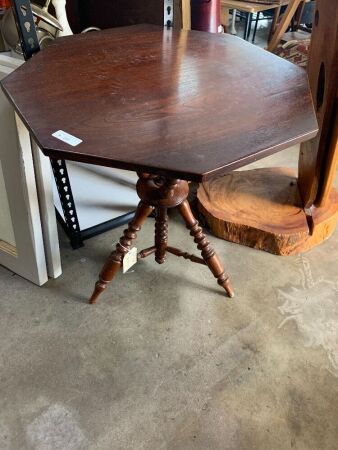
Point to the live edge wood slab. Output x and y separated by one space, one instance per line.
262 208
172 105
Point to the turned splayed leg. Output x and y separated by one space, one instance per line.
115 260
208 253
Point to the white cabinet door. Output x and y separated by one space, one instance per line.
21 238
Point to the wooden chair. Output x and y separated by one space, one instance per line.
295 7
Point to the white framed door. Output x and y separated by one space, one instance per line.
22 247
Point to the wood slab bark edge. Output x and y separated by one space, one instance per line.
262 209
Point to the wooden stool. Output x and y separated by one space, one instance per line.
162 193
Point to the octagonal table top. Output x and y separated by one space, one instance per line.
181 104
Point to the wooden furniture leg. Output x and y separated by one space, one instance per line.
298 15
233 22
248 24
256 26
115 260
207 252
225 18
283 25
274 22
162 193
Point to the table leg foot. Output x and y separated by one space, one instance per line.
208 253
226 284
115 260
100 286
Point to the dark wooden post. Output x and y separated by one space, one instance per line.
318 157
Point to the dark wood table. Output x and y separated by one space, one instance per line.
172 106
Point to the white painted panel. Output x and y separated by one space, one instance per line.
19 180
45 181
6 225
100 193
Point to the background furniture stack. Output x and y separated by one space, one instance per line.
294 45
255 10
249 9
292 16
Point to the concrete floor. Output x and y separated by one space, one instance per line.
165 360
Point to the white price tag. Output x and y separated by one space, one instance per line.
129 259
67 138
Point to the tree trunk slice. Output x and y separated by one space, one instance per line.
262 209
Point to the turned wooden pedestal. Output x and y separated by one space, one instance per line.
162 193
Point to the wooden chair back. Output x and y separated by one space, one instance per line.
293 7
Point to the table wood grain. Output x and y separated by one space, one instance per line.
182 104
